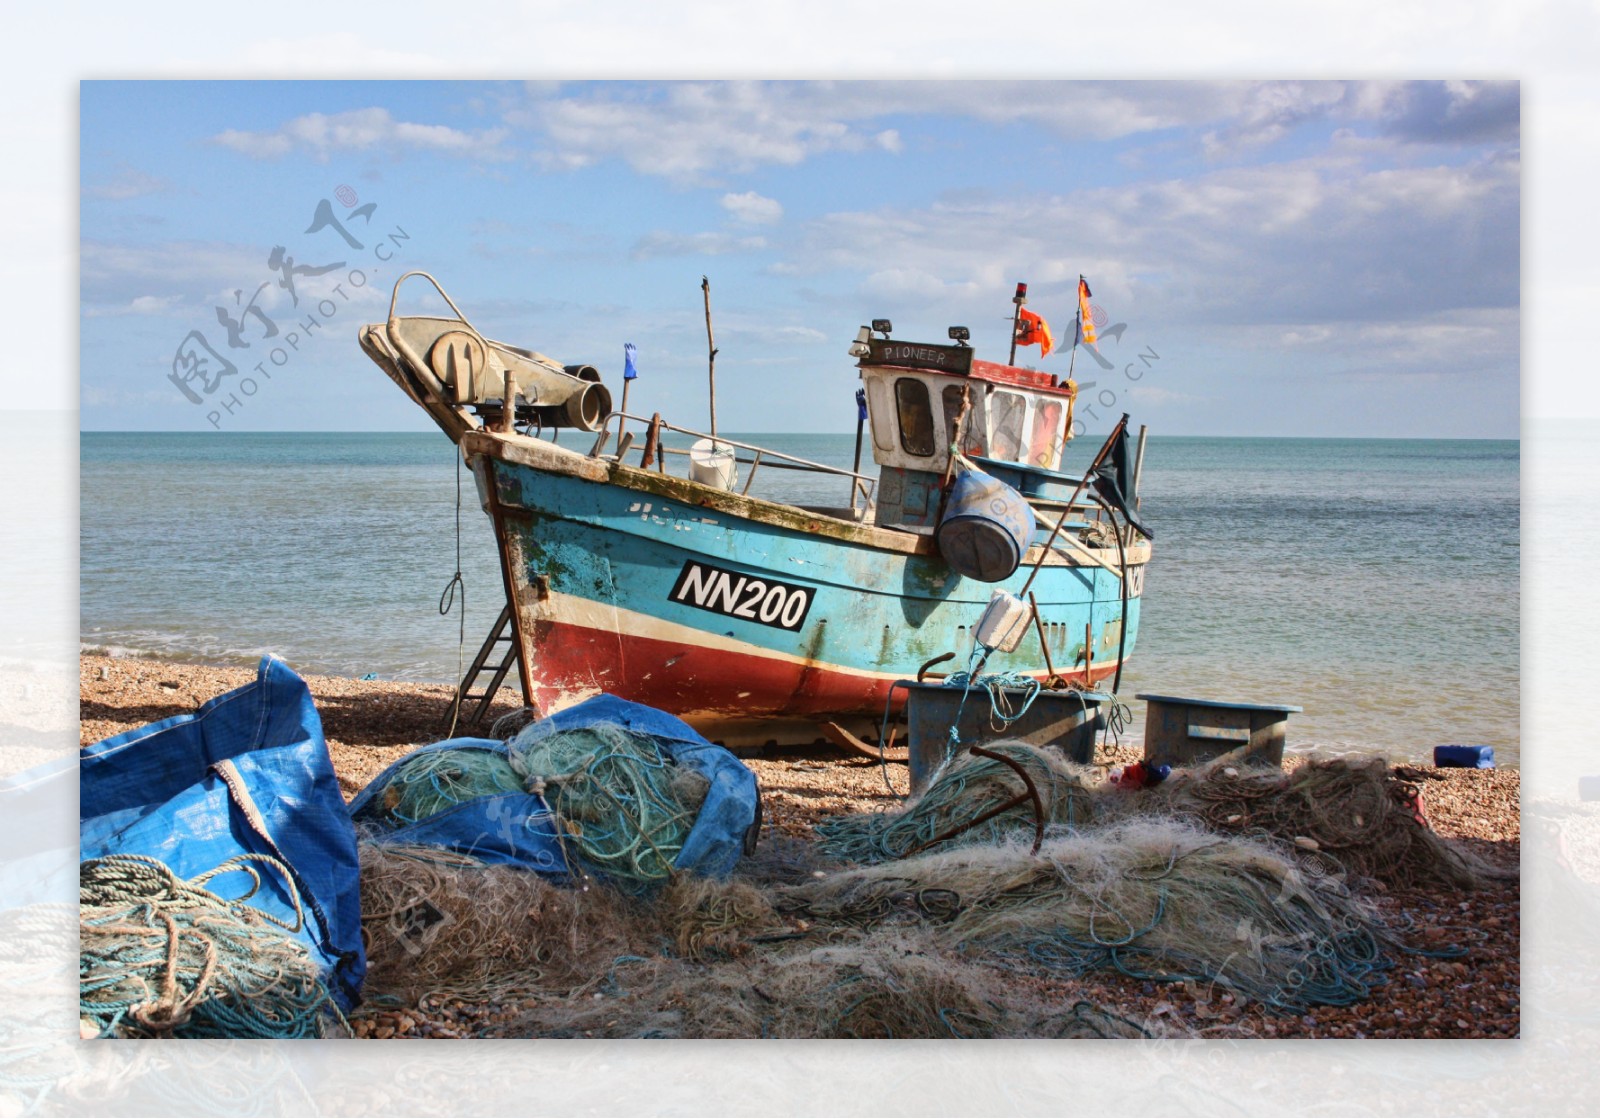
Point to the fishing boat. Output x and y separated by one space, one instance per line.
647 564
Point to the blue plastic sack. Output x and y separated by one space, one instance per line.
248 773
1464 757
518 828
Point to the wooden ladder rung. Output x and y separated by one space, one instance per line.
501 631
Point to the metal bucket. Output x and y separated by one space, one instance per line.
1066 720
713 464
985 528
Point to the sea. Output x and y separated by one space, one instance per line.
1375 583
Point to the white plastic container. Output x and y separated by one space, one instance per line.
1004 622
713 464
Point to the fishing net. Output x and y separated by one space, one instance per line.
898 984
972 799
706 917
622 804
1153 899
163 957
698 958
1355 812
433 781
438 922
865 935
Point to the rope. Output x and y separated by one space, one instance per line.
434 781
958 793
998 685
447 600
161 956
1118 716
623 803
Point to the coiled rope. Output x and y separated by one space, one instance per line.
161 956
618 799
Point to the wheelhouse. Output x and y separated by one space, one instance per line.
922 400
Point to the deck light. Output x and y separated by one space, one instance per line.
959 335
882 326
859 347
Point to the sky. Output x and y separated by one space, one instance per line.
1302 258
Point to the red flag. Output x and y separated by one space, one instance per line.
1032 329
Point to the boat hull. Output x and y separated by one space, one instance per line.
751 621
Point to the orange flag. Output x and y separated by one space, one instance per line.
1085 316
1032 329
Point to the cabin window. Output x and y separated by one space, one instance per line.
916 416
882 413
952 412
1007 411
1044 449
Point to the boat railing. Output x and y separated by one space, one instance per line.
862 486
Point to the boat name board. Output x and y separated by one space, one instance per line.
913 355
766 602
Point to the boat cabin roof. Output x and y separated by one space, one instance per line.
916 393
960 361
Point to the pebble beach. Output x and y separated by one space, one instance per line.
371 723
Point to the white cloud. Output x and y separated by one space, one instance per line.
1305 242
127 183
114 275
697 131
139 305
358 130
686 131
752 208
694 244
694 132
194 278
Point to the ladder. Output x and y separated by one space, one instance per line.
502 631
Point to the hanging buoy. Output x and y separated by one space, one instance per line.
985 528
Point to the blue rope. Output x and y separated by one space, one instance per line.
997 684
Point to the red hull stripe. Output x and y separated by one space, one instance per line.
574 662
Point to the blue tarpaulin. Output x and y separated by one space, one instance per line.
514 828
518 828
249 772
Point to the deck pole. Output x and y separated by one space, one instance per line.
508 418
1138 466
1077 331
711 345
1017 301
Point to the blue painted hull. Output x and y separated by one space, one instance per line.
734 613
